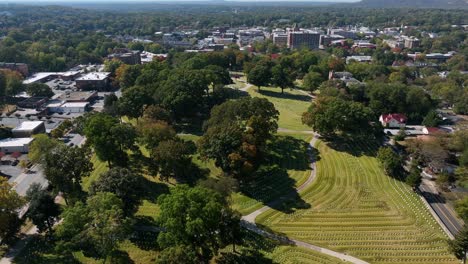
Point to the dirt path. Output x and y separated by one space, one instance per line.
248 221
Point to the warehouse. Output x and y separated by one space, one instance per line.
10 145
28 128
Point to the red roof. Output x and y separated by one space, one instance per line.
400 118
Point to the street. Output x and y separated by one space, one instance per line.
445 212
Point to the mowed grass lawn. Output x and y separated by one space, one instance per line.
355 208
291 105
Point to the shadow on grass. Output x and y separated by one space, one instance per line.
271 183
353 145
285 95
152 190
120 257
40 250
245 256
145 238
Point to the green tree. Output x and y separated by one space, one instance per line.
390 161
173 158
10 203
462 208
237 132
109 138
282 77
126 75
100 224
66 176
260 75
133 101
459 246
157 113
432 119
111 106
152 133
43 211
41 145
193 217
39 89
312 81
329 115
112 66
122 182
414 177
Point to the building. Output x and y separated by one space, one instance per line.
366 59
32 102
10 145
326 40
19 67
412 42
126 56
280 39
67 107
394 44
43 77
432 56
303 39
349 34
82 96
28 128
393 120
98 81
364 44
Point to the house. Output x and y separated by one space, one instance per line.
10 145
393 120
28 128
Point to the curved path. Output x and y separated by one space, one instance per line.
248 221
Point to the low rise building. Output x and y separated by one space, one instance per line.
359 59
81 96
28 128
10 145
19 67
98 81
67 107
32 102
126 56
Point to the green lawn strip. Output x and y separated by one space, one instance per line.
291 105
99 167
355 208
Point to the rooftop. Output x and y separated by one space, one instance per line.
14 142
94 76
28 125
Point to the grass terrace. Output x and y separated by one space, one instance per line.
355 208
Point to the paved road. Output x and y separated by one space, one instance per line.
441 208
248 221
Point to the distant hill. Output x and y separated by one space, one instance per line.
413 3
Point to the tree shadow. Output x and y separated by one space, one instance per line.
353 145
286 95
290 153
41 250
120 257
152 190
271 183
272 186
145 239
245 256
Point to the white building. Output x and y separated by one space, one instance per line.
28 128
10 145
67 107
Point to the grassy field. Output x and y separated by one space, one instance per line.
355 208
291 105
